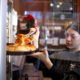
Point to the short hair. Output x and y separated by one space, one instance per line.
74 26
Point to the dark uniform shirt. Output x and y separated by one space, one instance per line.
65 70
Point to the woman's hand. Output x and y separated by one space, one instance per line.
41 55
44 57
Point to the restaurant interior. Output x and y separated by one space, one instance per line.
53 17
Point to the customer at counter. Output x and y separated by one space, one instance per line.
62 70
32 28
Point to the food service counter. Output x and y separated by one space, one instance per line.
66 56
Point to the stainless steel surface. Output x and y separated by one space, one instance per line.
67 56
3 9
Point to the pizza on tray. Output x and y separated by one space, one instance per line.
23 43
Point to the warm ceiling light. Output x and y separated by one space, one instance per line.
70 8
60 3
58 6
51 4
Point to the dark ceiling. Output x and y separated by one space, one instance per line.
44 5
